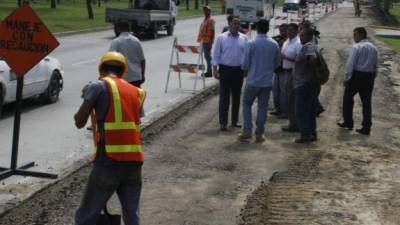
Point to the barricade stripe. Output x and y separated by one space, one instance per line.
180 48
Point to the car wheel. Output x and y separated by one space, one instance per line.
52 92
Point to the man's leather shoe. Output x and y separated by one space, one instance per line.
363 131
289 129
303 140
236 125
344 125
223 127
275 113
282 117
207 74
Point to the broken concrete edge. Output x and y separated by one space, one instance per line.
151 128
384 27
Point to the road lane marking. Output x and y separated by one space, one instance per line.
85 62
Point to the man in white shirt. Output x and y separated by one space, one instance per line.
360 75
289 52
129 46
227 61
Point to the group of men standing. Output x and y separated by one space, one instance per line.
287 65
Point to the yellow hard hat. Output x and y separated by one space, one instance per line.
114 58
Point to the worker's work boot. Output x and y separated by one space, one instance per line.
245 136
260 138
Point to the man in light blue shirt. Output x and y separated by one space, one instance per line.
261 59
227 61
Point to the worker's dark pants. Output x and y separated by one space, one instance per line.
291 100
363 84
230 84
207 55
103 181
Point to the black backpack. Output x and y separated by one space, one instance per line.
322 68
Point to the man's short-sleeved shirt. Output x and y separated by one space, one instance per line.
97 94
301 72
289 49
129 46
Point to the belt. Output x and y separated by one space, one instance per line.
361 72
232 67
287 70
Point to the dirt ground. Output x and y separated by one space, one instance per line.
196 175
345 178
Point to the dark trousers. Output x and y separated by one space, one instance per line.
207 56
291 100
103 181
230 84
363 84
306 98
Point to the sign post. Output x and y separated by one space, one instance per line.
24 41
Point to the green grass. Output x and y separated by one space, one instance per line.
72 15
395 11
215 7
391 42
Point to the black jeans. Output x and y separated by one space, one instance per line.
207 55
363 84
230 83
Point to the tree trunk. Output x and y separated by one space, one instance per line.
196 4
187 4
53 4
89 9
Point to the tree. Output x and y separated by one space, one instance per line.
53 4
196 4
89 9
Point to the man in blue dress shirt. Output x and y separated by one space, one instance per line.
261 59
227 61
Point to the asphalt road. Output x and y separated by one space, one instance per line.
48 135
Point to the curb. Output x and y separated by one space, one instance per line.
383 27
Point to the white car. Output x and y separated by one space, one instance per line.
45 80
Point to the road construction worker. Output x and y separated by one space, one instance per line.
206 37
114 106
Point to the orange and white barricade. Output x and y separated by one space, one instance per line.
180 67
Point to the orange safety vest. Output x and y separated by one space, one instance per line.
207 30
122 122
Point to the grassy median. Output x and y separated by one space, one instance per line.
393 43
72 15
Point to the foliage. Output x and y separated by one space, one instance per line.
72 15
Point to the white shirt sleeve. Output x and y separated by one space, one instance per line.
350 63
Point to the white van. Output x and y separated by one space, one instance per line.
290 5
250 11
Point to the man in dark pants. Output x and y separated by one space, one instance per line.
227 60
114 106
306 88
360 76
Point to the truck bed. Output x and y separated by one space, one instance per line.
113 15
